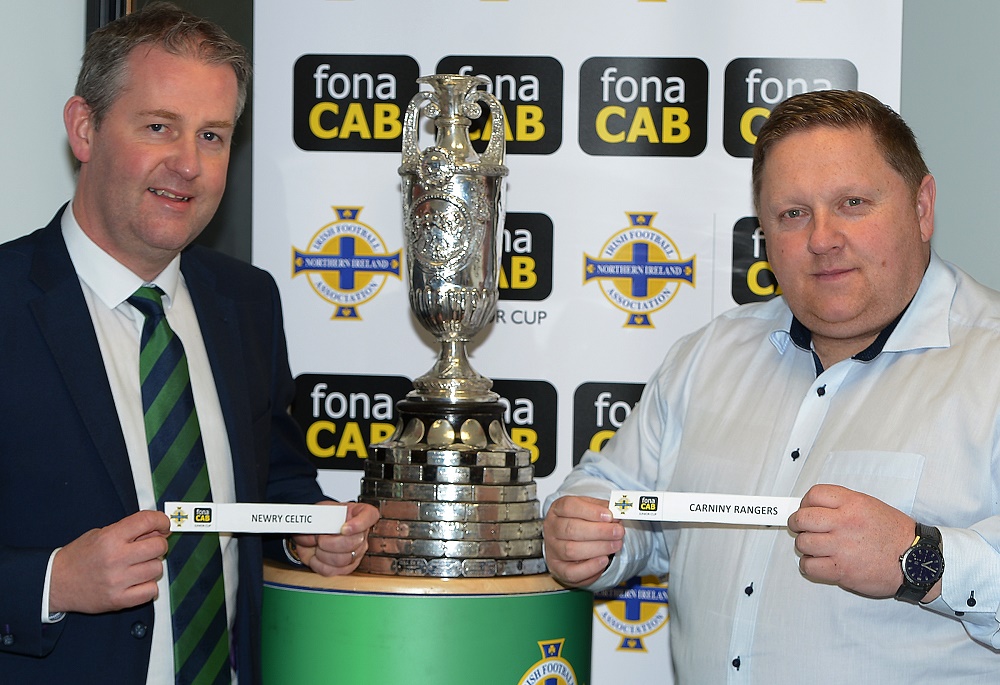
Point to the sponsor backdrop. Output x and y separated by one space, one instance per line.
630 127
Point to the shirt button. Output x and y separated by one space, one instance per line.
795 455
139 630
748 589
821 390
736 663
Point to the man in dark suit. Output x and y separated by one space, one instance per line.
85 595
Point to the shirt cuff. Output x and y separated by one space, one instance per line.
293 556
48 617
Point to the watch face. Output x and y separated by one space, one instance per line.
923 565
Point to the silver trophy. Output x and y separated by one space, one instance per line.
457 496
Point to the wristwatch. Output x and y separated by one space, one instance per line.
922 564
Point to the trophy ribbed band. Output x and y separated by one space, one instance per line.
458 475
450 457
455 549
437 492
450 568
469 389
454 306
454 530
460 512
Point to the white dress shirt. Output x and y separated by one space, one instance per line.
107 285
738 408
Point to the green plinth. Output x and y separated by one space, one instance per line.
375 630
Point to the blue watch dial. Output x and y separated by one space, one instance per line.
923 565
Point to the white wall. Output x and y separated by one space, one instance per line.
950 96
40 48
951 99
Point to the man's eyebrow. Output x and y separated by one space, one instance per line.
173 116
160 114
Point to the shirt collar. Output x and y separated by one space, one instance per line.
922 324
928 318
112 282
802 337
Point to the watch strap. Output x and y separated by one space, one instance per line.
928 535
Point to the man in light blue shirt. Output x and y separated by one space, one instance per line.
870 389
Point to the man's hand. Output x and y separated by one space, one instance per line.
580 537
853 540
111 568
338 555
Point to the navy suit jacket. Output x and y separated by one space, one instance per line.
63 465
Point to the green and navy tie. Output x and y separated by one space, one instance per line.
177 459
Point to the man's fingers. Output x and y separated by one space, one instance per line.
816 544
361 517
580 537
141 524
825 496
579 551
337 563
811 520
579 572
575 529
305 540
585 508
822 568
109 568
344 544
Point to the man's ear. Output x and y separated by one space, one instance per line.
926 195
79 123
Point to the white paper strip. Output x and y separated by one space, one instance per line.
202 517
695 507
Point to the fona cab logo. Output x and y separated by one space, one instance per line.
633 610
639 269
347 263
552 669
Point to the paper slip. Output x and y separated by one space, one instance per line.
203 517
695 507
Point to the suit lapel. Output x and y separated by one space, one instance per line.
64 320
219 323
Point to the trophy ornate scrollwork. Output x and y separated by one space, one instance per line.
457 496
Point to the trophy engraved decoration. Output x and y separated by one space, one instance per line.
457 496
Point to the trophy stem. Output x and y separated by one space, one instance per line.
452 377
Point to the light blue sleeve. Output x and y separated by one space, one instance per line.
970 590
635 458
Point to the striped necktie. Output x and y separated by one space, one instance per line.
177 460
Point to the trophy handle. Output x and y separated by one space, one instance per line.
494 153
411 134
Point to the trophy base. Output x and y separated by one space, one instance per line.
456 495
